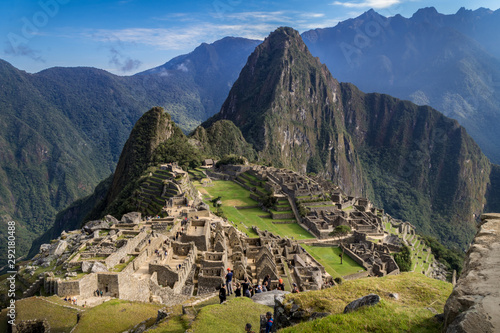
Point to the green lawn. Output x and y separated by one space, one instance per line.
119 316
329 258
232 195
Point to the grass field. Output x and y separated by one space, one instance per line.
115 316
61 319
232 195
329 258
229 317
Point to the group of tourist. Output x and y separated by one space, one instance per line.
98 293
72 300
246 288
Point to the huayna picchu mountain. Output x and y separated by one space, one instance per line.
411 160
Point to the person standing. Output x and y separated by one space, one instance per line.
229 281
269 322
237 291
245 288
222 293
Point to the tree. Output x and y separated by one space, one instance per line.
403 259
340 232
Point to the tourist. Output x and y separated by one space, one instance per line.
295 289
245 286
252 290
281 285
237 291
101 293
248 328
258 290
229 281
269 321
264 286
222 293
267 278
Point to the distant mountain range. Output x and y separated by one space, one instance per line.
62 129
450 62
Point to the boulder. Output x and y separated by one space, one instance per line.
111 219
44 248
267 298
131 218
87 266
368 300
92 226
98 267
59 248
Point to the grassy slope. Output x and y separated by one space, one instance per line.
229 317
61 319
408 314
115 316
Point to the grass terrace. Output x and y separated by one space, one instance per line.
233 195
330 259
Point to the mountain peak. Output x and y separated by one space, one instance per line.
426 13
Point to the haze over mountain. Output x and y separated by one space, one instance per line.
450 62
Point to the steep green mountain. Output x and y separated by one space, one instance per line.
411 160
154 139
220 139
450 62
62 129
286 105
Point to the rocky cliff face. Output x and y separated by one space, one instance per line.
414 162
474 304
287 105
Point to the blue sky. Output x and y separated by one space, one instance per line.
128 36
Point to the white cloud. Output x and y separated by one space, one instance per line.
376 4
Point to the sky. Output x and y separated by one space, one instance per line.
128 36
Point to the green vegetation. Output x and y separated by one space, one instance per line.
231 159
407 314
230 317
329 257
403 259
115 316
453 260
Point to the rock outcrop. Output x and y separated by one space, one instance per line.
474 304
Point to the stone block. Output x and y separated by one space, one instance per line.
368 300
132 218
98 267
87 266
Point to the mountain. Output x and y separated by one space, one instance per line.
450 62
411 160
62 129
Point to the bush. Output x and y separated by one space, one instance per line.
231 159
403 259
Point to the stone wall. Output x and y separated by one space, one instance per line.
165 275
474 304
68 288
132 288
88 284
115 258
109 284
